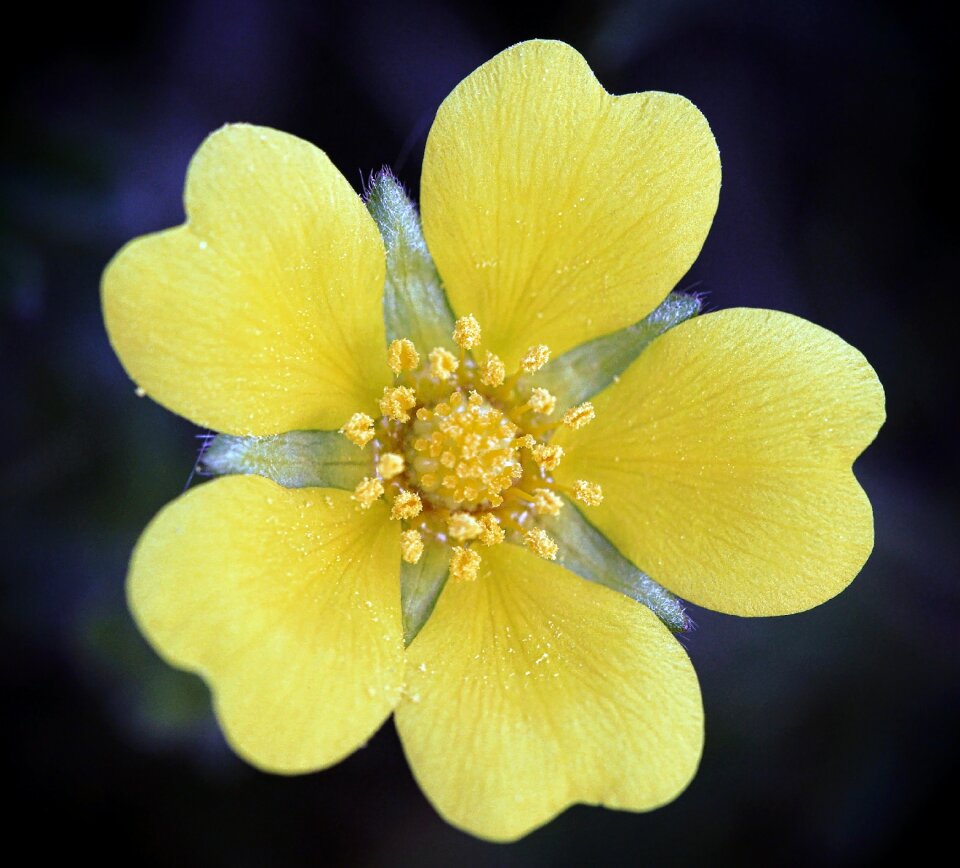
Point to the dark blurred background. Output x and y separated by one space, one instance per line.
832 736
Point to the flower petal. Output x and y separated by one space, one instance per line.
530 689
556 212
725 457
287 602
261 314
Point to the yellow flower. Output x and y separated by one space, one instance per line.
716 457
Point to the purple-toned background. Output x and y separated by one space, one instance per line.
831 736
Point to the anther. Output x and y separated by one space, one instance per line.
577 417
443 363
490 531
396 401
540 542
588 493
466 332
492 371
547 502
358 429
535 358
390 465
368 491
402 356
463 526
406 504
547 456
541 401
464 565
411 546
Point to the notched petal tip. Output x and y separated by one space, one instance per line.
297 685
235 319
749 505
520 226
630 740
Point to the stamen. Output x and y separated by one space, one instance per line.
492 371
406 504
466 332
577 417
402 356
540 542
491 533
443 363
396 401
358 429
411 546
368 491
541 401
459 460
535 358
547 456
589 493
547 502
463 526
390 465
464 565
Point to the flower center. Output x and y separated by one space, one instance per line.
462 453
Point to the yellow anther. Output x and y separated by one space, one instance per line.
443 363
390 465
464 565
424 415
402 356
527 441
577 417
539 541
463 526
547 502
589 493
411 546
396 401
466 332
541 401
535 358
492 371
367 491
547 456
491 533
358 429
406 504
475 399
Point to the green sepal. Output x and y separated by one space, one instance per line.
414 303
297 459
589 368
420 586
588 553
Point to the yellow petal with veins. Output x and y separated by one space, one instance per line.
262 314
530 690
725 456
287 602
542 193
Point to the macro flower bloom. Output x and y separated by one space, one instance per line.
462 474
